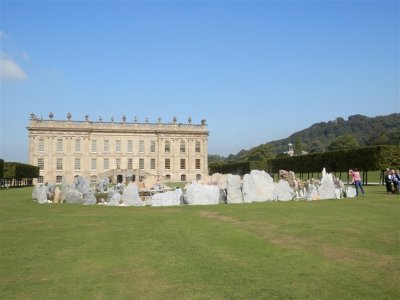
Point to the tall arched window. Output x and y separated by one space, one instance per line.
59 179
183 177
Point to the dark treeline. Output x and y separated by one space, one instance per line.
17 174
357 131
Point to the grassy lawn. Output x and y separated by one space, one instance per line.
335 249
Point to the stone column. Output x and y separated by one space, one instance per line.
158 155
205 157
50 161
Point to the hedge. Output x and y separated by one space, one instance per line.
1 168
14 171
364 158
239 168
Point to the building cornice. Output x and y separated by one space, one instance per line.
88 127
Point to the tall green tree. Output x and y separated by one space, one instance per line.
346 141
298 147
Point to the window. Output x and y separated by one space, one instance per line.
153 164
167 146
106 146
197 147
141 146
152 146
59 165
130 146
198 165
40 163
77 163
93 179
198 177
167 164
129 163
183 147
94 146
106 164
118 163
77 145
59 145
183 164
118 146
183 177
168 176
40 179
141 163
59 179
41 145
93 164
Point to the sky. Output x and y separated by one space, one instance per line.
257 71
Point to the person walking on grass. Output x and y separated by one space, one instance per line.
388 181
356 179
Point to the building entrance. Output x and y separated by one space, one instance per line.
119 178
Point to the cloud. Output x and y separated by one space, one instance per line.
10 70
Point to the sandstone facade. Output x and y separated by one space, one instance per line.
64 149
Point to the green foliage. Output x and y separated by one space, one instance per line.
346 141
19 171
298 147
239 168
214 159
380 130
1 168
334 249
364 158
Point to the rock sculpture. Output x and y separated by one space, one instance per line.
130 196
234 192
57 195
283 191
170 198
89 199
200 194
257 187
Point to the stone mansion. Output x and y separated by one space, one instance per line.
63 149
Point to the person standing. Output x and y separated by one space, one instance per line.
397 174
395 181
357 180
388 181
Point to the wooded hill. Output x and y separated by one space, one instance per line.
357 131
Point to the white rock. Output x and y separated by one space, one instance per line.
257 187
199 194
35 191
338 193
57 195
171 198
89 199
70 195
312 193
350 192
233 189
283 191
327 188
115 200
130 196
